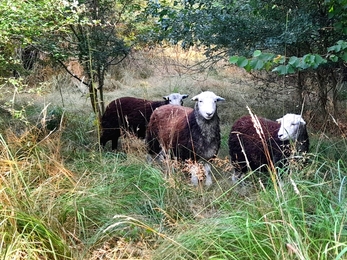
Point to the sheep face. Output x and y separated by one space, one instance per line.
175 98
207 104
291 125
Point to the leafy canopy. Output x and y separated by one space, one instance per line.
25 23
301 30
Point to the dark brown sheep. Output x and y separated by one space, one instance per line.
246 149
187 133
131 114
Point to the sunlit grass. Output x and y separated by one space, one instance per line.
63 198
304 219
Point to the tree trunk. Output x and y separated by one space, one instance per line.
101 76
322 94
300 88
334 87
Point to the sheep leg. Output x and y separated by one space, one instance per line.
194 178
194 170
114 144
208 181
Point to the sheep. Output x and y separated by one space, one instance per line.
187 133
247 150
131 114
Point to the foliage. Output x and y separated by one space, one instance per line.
337 12
97 38
25 23
241 27
98 33
285 37
288 65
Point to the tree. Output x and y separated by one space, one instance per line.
99 33
22 24
97 39
296 34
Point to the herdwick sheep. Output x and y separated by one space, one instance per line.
131 114
247 150
187 133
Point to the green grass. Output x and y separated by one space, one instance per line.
62 198
302 219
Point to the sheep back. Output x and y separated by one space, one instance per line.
244 137
175 129
127 113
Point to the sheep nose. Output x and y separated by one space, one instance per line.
209 114
280 136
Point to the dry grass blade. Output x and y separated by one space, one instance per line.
264 142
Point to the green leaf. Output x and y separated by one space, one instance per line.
281 69
268 66
266 57
256 53
334 48
234 59
343 44
248 67
284 69
319 59
290 69
344 56
257 64
242 62
294 61
333 58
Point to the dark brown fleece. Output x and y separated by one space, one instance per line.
244 137
127 113
183 132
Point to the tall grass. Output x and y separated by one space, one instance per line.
305 220
59 194
62 198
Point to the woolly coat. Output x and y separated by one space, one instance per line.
127 113
244 139
183 132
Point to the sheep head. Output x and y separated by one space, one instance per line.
207 104
175 98
291 126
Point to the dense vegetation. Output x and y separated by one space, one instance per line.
62 197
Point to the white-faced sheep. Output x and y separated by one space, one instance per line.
187 133
131 114
247 150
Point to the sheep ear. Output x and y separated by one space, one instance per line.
195 98
166 97
279 120
220 98
302 121
184 96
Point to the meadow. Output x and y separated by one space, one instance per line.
62 197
